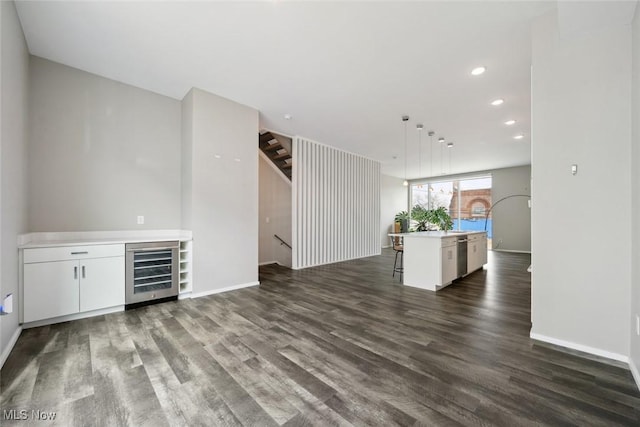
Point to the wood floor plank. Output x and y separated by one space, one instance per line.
342 344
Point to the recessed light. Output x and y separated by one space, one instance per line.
497 102
478 70
519 136
510 122
287 116
217 156
236 159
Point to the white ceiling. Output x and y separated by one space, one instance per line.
345 71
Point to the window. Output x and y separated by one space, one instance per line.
467 200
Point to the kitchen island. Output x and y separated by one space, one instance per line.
433 259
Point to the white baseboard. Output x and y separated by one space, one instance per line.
12 342
221 290
580 347
268 262
76 316
510 250
635 372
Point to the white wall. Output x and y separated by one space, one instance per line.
224 191
14 64
635 210
275 214
336 203
393 199
100 153
581 246
511 218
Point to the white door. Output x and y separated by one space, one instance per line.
50 289
101 283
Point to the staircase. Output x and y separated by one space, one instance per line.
276 152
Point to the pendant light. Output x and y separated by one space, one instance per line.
419 127
431 133
405 119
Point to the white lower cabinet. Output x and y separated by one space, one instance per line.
449 264
50 290
67 280
101 283
476 252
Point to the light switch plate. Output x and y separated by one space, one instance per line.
140 219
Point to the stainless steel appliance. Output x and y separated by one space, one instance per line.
152 272
462 256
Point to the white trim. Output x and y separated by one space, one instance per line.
66 238
338 149
277 132
387 246
274 167
184 295
511 250
74 316
12 342
268 262
635 372
580 347
221 290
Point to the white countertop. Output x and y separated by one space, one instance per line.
436 234
78 238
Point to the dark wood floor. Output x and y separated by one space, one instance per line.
340 344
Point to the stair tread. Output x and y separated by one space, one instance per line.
283 156
272 147
266 137
286 166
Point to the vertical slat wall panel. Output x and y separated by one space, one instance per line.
336 209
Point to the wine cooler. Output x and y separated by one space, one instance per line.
152 272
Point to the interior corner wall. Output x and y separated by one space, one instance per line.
581 244
275 214
511 217
186 160
14 65
100 153
336 205
635 210
224 192
393 199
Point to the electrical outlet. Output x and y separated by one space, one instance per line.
140 219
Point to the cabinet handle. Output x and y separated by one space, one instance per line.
80 253
84 275
75 272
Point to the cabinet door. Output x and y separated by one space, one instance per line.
449 264
482 256
101 283
473 256
50 290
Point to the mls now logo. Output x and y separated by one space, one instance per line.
23 414
14 414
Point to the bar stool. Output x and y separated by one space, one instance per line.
398 246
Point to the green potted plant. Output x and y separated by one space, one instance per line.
403 218
429 219
441 218
421 216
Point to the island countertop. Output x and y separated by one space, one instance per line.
436 234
